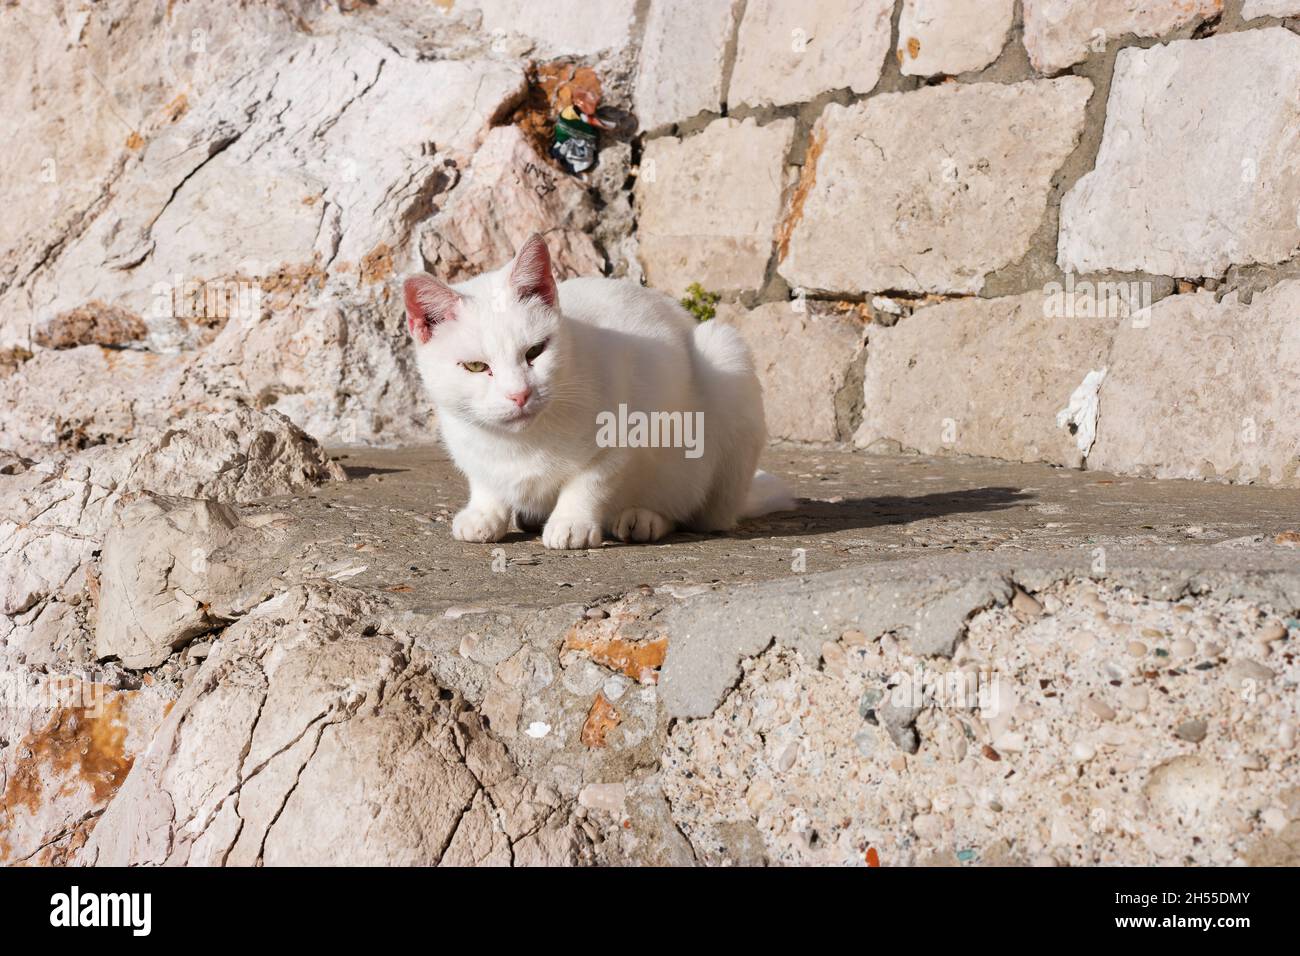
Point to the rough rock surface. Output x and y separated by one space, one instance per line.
925 613
709 204
307 738
93 324
240 455
951 36
360 709
58 65
932 190
1236 203
509 193
264 214
51 516
54 514
71 745
1059 33
982 377
1270 8
810 366
88 395
681 70
162 581
787 52
573 27
1223 406
1077 718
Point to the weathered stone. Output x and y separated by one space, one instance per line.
898 711
1061 32
1270 8
1235 203
66 747
52 518
709 204
340 368
1223 404
951 36
238 456
54 515
929 191
787 758
85 89
478 841
12 358
268 218
1193 731
305 143
810 366
86 395
982 377
1186 790
568 27
295 746
94 323
790 52
680 71
162 580
509 193
894 598
711 638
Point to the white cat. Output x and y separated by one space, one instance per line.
523 374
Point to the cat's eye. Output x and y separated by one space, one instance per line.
536 350
474 366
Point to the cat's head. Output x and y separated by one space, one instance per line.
491 356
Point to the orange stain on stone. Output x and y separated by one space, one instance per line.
639 660
807 180
177 107
78 745
601 719
377 264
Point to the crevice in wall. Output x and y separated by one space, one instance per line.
850 399
729 52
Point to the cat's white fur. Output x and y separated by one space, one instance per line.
608 343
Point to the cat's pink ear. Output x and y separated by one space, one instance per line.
428 303
531 275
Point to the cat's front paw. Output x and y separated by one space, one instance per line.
641 524
480 526
571 533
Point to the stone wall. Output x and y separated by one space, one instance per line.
1043 230
991 212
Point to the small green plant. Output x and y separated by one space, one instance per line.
700 303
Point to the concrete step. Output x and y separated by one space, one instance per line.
931 661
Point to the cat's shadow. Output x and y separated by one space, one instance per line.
814 516
360 472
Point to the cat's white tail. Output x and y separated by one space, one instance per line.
767 493
727 372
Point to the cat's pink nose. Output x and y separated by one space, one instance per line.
520 398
